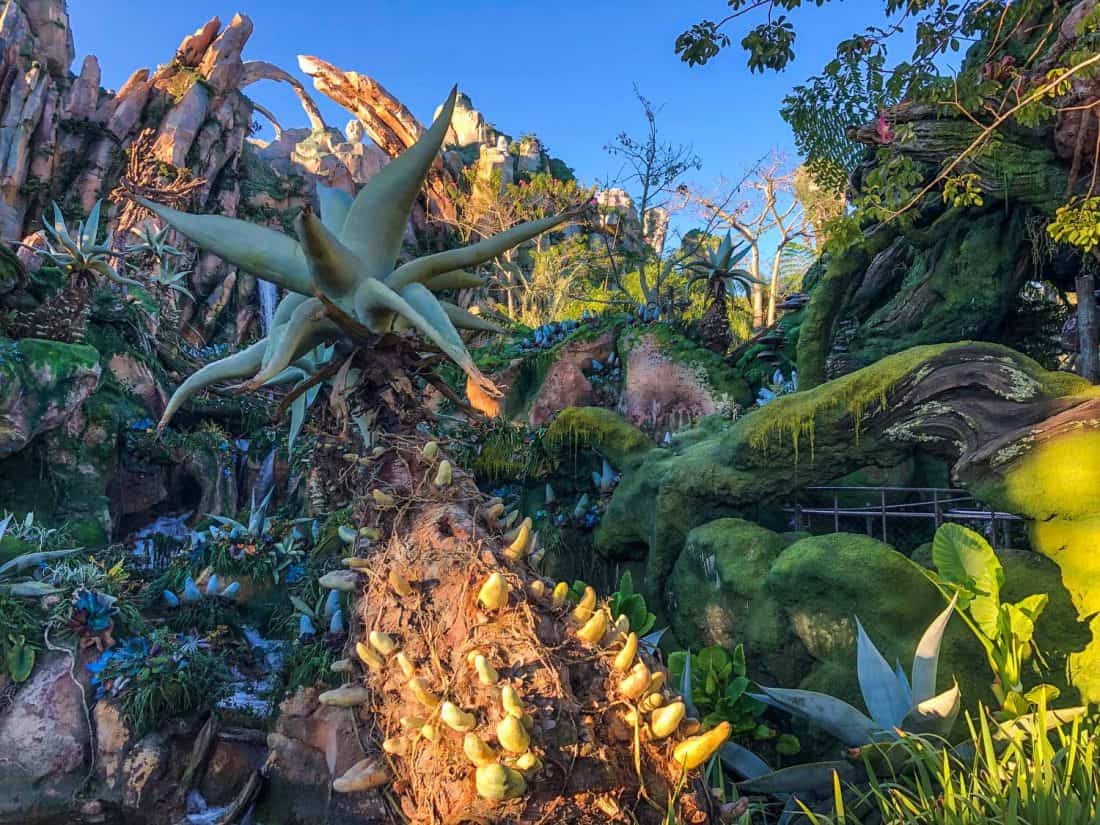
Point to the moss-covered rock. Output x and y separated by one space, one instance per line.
717 596
41 384
599 429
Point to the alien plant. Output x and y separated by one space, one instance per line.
343 282
78 254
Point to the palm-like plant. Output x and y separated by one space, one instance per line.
717 270
166 276
341 275
78 254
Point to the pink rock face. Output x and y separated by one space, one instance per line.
661 395
565 384
44 734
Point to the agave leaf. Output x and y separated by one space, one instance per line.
34 559
375 223
934 716
332 265
903 681
335 204
884 697
256 516
462 319
739 252
263 252
297 419
813 778
743 762
90 227
4 524
651 640
926 659
832 715
456 279
685 687
238 365
32 589
302 607
724 250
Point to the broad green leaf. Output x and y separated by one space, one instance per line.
20 660
1033 606
626 585
711 658
965 559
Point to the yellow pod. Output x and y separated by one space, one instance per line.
471 657
430 451
690 726
664 721
423 694
651 701
594 629
622 627
477 751
635 682
430 732
510 701
529 762
625 657
396 745
656 682
382 500
456 718
518 548
407 667
443 474
342 666
371 533
498 783
364 775
586 606
486 673
351 457
494 592
412 722
560 594
357 563
494 510
382 642
510 519
399 583
513 736
537 589
693 752
369 657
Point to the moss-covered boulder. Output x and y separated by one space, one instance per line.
825 582
717 596
41 384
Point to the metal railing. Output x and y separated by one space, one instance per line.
898 514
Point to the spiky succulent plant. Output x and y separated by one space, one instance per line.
78 254
341 274
718 265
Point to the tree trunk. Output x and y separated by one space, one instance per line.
757 292
1088 359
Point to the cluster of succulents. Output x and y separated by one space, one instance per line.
93 618
191 594
550 335
79 254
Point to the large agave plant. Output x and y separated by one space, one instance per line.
341 273
897 705
79 254
15 575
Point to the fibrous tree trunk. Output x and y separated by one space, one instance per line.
1088 328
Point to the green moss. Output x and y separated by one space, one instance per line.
599 429
717 596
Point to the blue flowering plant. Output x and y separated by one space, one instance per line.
161 675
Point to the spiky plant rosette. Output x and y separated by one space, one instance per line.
342 277
492 698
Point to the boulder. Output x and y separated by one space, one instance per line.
42 383
43 740
718 597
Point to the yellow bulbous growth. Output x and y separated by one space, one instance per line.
396 745
477 751
537 589
407 667
518 548
382 642
369 657
399 583
486 673
625 657
498 783
585 607
593 630
443 474
423 694
634 684
382 500
412 722
510 701
430 451
456 718
560 594
494 592
512 735
430 732
664 721
694 751
529 763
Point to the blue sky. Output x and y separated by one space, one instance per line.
563 70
